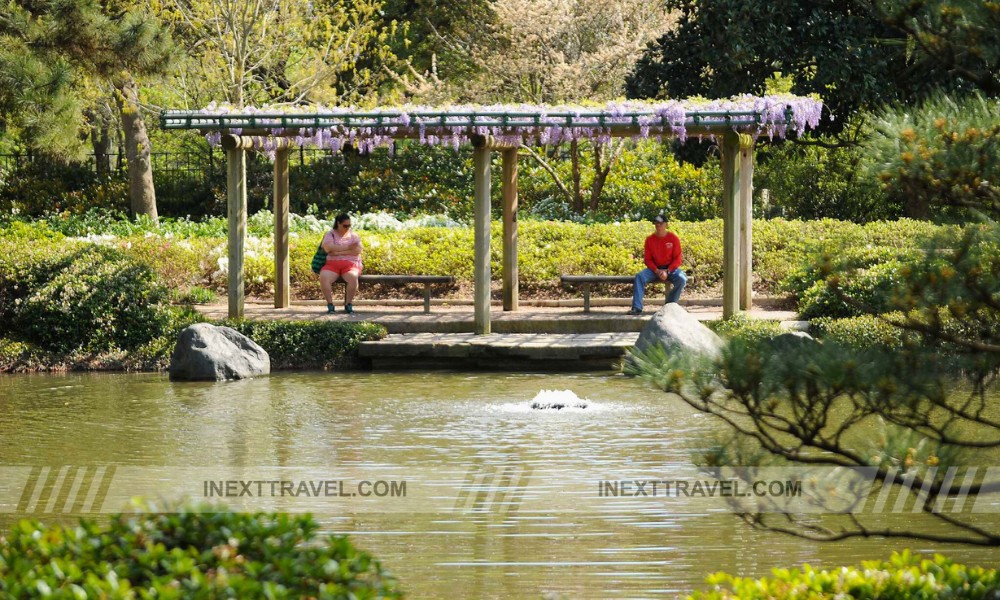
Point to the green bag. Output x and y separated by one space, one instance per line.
319 259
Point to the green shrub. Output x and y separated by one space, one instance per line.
903 576
787 254
51 186
197 295
872 289
66 295
101 300
308 344
746 328
863 332
813 182
645 180
11 352
818 265
418 179
648 180
197 552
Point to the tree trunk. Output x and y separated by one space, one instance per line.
916 207
141 193
601 171
599 176
101 141
574 152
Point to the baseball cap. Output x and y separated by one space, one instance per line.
659 219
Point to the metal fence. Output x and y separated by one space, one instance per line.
187 182
202 164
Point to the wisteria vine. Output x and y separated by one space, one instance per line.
771 116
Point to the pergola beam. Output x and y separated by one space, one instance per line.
490 142
263 141
410 133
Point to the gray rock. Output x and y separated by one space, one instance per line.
793 341
676 329
206 352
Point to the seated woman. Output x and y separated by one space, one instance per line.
343 260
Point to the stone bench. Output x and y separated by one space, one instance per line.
426 280
585 282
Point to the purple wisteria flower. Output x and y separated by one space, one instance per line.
773 116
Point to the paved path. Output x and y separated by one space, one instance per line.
459 319
533 338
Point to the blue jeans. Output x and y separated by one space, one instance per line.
678 279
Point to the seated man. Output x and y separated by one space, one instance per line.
662 255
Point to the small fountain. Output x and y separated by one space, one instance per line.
557 400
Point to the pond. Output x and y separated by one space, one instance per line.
474 427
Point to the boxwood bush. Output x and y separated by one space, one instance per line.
70 303
185 254
746 328
872 289
308 344
197 552
903 576
99 300
67 295
861 332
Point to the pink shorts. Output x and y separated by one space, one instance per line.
341 266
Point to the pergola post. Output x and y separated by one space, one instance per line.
236 201
282 277
509 192
481 211
731 224
746 222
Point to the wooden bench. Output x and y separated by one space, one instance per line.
426 280
586 281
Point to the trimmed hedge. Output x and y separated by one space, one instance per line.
68 303
902 577
198 552
308 344
788 255
67 296
746 328
187 255
859 332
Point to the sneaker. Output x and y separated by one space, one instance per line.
634 311
349 309
331 309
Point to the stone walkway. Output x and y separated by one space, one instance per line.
445 318
541 338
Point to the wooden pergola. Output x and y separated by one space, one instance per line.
487 130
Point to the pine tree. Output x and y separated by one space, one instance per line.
49 49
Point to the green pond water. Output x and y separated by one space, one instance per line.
554 541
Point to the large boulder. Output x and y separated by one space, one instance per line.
676 329
206 352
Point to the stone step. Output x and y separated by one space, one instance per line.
506 351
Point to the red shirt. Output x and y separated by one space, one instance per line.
660 251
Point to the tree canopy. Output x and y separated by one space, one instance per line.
51 51
858 55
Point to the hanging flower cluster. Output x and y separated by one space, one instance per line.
333 127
